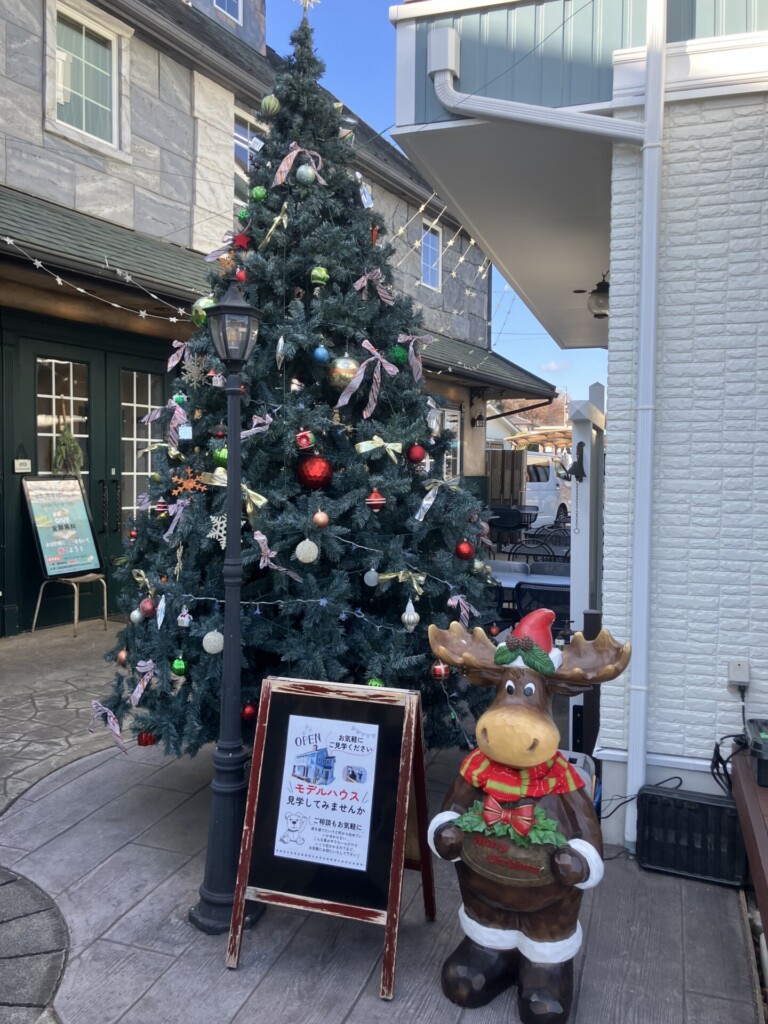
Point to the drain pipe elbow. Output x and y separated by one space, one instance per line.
443 66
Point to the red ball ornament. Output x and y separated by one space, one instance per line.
146 739
440 671
240 275
494 630
147 607
465 550
248 713
314 472
132 535
219 431
416 453
375 501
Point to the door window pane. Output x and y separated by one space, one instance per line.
139 395
61 401
430 256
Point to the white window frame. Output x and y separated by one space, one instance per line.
429 229
119 36
449 417
259 131
239 19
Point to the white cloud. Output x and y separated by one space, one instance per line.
555 367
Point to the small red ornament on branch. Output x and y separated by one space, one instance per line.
465 550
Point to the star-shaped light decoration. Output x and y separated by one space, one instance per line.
37 264
306 4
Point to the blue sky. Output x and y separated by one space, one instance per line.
357 42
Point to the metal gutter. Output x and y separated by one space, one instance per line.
655 74
443 67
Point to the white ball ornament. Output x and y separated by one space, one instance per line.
213 642
136 617
307 551
371 578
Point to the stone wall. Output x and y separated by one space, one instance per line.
170 175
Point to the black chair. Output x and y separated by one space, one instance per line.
533 595
531 551
505 524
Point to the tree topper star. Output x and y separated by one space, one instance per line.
306 4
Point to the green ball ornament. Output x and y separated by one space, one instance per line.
398 355
270 105
243 216
199 309
258 193
375 681
319 275
179 667
180 398
220 457
306 174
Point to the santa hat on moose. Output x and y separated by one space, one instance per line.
530 644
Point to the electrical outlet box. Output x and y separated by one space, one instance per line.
738 672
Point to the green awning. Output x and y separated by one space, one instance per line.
67 239
482 368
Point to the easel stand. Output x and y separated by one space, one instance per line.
397 716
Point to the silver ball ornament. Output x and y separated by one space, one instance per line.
307 551
213 642
136 617
371 578
410 617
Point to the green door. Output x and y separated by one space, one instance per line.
101 397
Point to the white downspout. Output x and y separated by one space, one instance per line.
656 34
443 67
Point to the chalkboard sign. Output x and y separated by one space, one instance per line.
331 777
62 526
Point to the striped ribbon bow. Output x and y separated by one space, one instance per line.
287 163
379 362
176 357
413 341
374 278
112 723
146 670
178 416
519 819
267 556
259 425
228 239
176 512
465 608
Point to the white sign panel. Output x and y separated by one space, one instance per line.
327 792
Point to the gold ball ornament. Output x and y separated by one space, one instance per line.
341 371
320 518
270 105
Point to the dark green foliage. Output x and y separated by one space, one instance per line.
329 625
543 830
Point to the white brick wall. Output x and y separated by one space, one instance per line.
709 576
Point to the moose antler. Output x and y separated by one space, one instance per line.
473 653
586 663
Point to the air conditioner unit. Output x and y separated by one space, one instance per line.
692 834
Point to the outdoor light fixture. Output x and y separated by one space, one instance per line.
234 325
234 328
478 421
597 303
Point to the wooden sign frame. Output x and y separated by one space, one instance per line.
71 520
398 841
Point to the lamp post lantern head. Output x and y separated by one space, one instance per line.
234 325
598 301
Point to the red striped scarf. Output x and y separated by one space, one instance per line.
505 783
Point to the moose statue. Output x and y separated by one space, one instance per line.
517 821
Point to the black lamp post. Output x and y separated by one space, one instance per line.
234 328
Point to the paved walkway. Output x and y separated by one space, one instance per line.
103 855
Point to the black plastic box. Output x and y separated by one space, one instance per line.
757 738
692 834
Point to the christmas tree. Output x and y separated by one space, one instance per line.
352 541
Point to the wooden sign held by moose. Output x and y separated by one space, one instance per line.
518 822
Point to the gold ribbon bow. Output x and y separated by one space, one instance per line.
281 218
253 500
433 487
173 453
390 447
141 578
416 579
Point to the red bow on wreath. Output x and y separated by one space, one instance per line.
518 818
